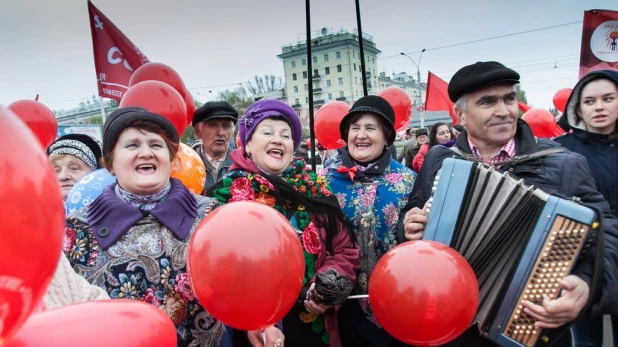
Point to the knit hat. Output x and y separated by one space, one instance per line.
479 75
215 110
81 146
268 108
122 117
375 105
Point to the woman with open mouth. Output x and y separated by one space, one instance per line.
264 170
132 240
591 113
372 188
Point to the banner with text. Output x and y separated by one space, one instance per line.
599 49
115 56
93 131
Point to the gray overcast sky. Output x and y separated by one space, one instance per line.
46 47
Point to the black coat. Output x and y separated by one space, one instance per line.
563 174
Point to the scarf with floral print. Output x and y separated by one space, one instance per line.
242 185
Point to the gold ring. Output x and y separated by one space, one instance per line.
278 343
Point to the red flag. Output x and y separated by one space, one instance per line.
599 49
437 99
115 56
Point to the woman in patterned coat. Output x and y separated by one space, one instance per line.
132 241
372 188
265 171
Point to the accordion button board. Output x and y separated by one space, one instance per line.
478 211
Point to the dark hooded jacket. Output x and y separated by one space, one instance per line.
563 174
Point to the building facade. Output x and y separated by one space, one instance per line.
336 65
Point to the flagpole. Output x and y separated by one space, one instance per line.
102 109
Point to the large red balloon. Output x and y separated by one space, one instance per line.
31 222
401 103
239 244
190 106
542 122
327 121
158 72
423 293
160 98
38 118
561 97
98 323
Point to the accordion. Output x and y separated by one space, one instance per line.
520 242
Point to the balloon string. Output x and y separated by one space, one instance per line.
358 296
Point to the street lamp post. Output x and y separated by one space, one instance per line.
418 85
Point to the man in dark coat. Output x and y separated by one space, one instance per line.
485 102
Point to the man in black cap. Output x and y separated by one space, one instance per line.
422 137
214 125
485 102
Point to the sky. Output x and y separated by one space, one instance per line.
46 47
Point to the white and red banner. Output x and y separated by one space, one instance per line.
599 41
115 56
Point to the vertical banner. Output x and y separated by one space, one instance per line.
115 56
599 49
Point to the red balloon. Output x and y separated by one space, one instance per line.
100 323
270 256
561 97
401 103
31 222
190 107
423 293
327 121
542 122
38 118
308 143
160 98
158 72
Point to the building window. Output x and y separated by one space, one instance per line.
315 60
304 61
354 66
341 94
340 81
293 77
339 68
293 63
306 87
330 96
304 74
338 55
355 80
357 92
327 71
306 99
325 57
328 83
353 54
295 89
315 72
296 101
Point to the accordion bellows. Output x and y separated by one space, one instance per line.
520 242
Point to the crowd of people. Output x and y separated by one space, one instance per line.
132 241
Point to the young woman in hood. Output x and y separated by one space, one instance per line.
591 114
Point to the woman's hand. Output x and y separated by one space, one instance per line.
311 306
269 337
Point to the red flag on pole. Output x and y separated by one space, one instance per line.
437 99
599 49
115 56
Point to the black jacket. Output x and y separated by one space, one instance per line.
563 174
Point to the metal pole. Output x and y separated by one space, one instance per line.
420 100
362 49
102 109
310 76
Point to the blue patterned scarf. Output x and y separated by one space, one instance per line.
144 202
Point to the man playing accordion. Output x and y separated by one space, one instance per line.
485 102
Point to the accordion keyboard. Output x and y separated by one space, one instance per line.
555 262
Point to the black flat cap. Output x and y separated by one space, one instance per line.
215 109
371 104
421 132
476 76
122 117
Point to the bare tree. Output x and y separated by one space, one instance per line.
262 84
